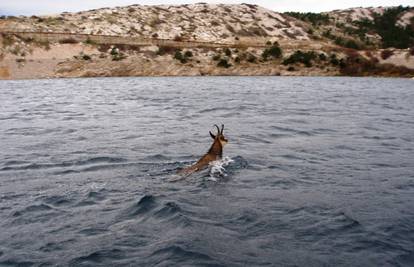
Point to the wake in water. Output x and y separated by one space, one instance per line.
217 168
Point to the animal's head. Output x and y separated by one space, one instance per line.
219 136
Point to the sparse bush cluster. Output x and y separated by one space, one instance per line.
301 57
314 18
386 26
183 57
227 57
223 63
348 43
356 65
273 51
344 42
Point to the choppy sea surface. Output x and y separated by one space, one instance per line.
317 172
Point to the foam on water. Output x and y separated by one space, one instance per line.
217 168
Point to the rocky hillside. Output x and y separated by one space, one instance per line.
204 22
243 40
363 28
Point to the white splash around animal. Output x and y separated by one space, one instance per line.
217 168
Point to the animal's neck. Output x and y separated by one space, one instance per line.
216 149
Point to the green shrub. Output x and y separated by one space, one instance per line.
188 53
227 52
386 26
314 18
216 57
300 57
114 51
223 63
180 57
86 57
334 61
251 58
274 51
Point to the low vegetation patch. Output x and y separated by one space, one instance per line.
223 63
301 57
315 19
392 35
86 57
355 65
348 43
272 52
183 57
68 41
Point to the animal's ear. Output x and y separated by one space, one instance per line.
212 135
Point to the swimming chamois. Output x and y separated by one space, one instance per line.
214 153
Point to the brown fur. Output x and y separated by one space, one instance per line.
214 153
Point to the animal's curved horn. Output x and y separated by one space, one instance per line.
212 135
222 128
218 129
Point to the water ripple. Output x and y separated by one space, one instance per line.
318 171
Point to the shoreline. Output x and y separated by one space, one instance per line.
209 76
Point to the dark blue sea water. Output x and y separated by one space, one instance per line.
318 172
